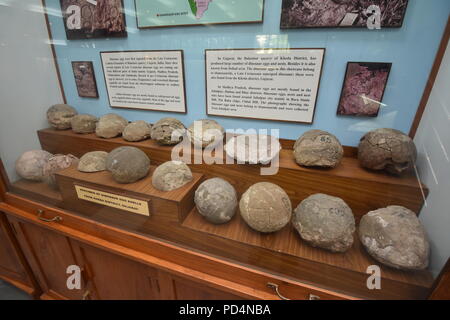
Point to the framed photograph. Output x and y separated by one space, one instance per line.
84 19
145 79
363 88
172 13
342 14
278 84
83 72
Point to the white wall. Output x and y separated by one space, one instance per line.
433 144
28 82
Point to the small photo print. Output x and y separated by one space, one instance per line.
341 13
85 79
363 89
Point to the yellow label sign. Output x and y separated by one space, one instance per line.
113 200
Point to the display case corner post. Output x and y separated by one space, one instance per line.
431 80
441 286
4 181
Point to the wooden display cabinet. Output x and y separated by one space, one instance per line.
175 254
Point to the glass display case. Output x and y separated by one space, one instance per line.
243 149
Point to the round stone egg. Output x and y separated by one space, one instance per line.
94 161
317 148
84 123
387 149
137 131
326 222
171 175
168 131
127 164
110 125
205 132
265 207
395 237
55 164
216 200
30 165
60 116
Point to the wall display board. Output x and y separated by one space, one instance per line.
150 80
332 14
363 88
93 19
170 13
83 72
271 84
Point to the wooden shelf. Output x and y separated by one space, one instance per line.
361 189
37 191
287 241
177 203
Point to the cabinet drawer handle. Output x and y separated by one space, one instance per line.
40 217
313 297
276 288
86 295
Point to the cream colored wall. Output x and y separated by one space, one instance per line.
28 81
433 143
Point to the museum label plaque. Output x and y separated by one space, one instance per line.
269 84
150 80
113 200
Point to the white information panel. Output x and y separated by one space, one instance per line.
272 84
151 80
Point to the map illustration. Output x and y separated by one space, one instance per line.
199 7
172 13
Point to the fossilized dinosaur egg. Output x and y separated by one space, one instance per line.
387 149
326 222
60 116
171 175
127 164
30 164
318 148
168 131
216 200
110 125
265 207
395 237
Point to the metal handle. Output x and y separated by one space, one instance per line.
313 297
276 288
86 295
40 217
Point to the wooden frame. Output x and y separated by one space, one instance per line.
265 119
80 35
201 24
91 64
345 80
338 26
133 108
431 80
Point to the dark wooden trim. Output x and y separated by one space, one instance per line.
431 80
343 86
441 287
4 181
52 46
200 24
31 286
264 119
93 75
145 109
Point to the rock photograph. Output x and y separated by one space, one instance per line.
341 13
363 88
83 72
